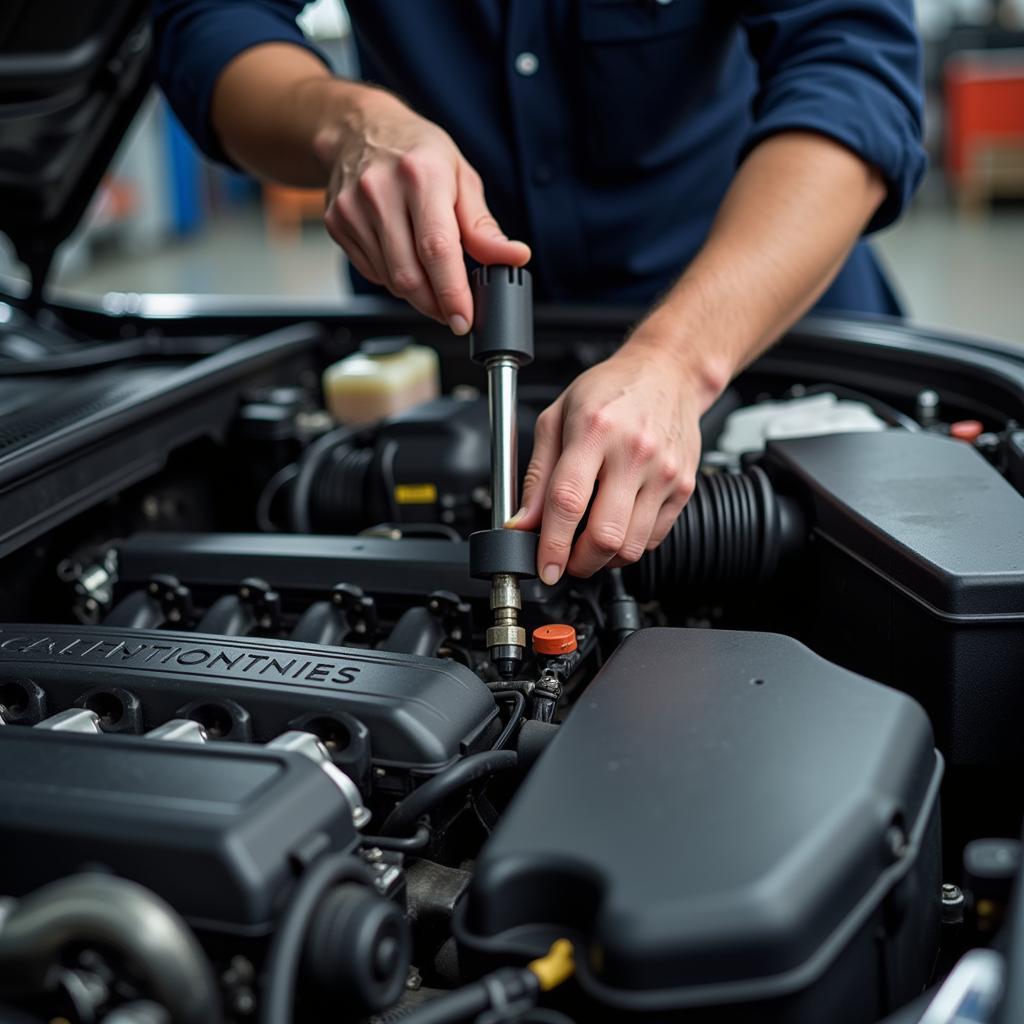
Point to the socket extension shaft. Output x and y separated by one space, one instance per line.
503 341
502 376
506 639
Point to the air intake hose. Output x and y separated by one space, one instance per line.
341 491
332 486
735 529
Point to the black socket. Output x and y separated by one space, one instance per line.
502 551
502 314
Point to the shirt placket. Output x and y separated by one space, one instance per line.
542 145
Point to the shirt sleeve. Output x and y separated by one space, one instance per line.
196 39
847 69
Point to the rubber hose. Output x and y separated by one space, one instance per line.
401 844
403 819
471 1000
459 1005
735 529
113 912
299 496
518 709
338 497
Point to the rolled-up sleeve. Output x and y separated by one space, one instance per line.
849 70
196 39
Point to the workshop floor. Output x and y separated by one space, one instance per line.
953 271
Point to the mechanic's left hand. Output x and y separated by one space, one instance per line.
632 424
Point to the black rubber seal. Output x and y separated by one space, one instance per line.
500 551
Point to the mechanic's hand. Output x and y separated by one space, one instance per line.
631 424
403 203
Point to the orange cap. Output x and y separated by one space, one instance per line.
967 430
557 638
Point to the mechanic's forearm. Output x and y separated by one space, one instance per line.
272 102
796 207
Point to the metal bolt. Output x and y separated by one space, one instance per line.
952 904
385 875
373 854
927 406
951 893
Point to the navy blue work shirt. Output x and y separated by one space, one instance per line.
607 131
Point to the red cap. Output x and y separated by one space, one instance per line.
967 430
557 638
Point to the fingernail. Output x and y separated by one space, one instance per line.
550 574
517 518
459 325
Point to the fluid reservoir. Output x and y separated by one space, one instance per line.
385 377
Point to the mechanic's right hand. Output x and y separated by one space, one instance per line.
403 203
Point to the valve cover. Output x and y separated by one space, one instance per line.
421 713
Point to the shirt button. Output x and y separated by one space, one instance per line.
527 64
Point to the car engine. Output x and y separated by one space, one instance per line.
258 766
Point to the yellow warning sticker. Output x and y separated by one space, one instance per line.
415 494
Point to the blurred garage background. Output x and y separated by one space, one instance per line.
168 221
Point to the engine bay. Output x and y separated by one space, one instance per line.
259 765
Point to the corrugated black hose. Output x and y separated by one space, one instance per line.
735 529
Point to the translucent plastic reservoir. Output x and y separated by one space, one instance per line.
385 377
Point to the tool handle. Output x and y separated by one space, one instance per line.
503 314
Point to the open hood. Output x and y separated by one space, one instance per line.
71 78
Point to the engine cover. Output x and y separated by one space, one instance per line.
919 546
219 830
725 820
422 713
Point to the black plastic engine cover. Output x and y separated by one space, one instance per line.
925 510
219 830
392 570
917 577
422 713
725 820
